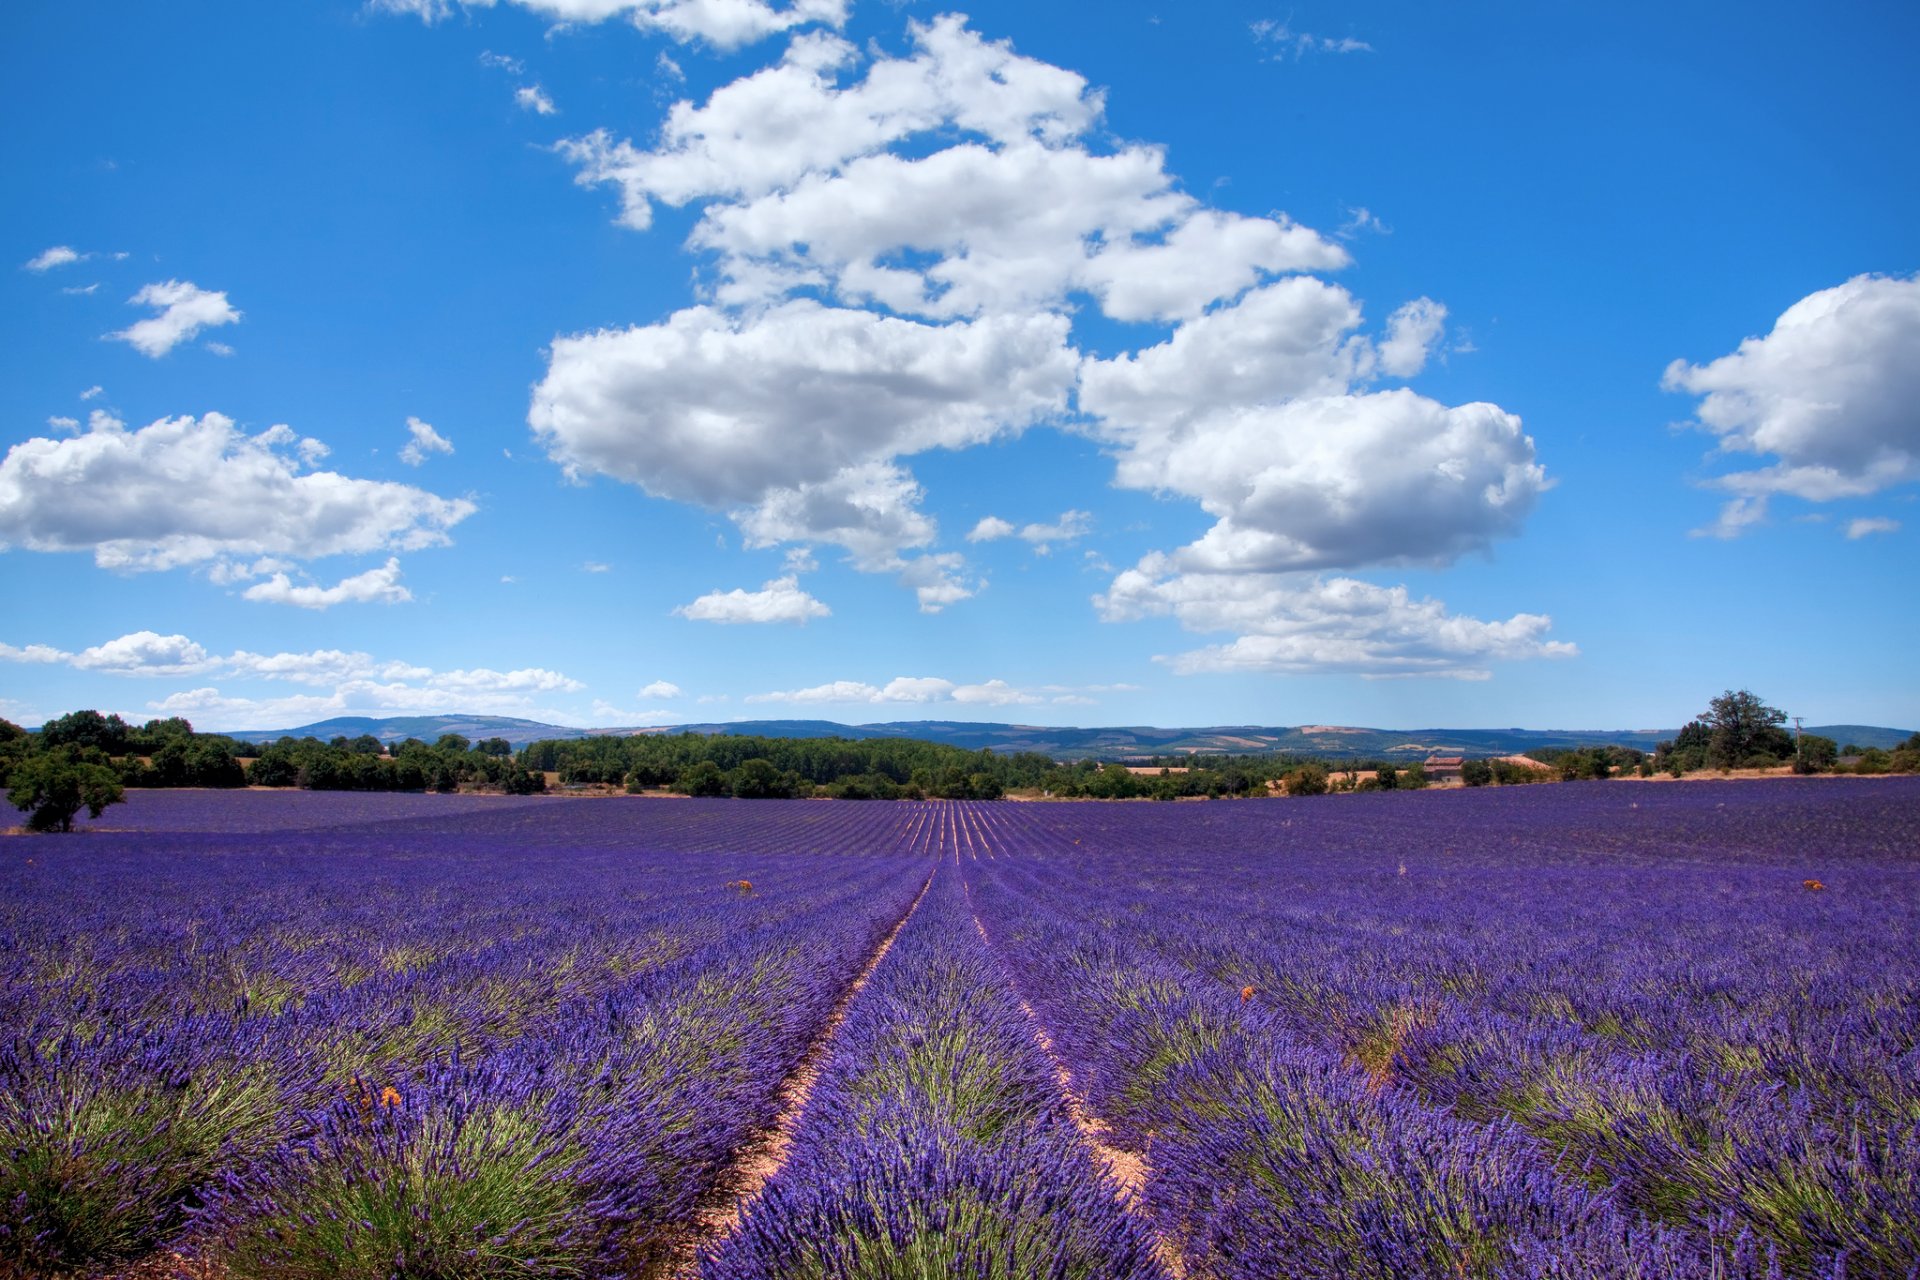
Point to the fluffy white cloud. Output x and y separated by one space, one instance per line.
1017 214
1412 332
793 418
994 693
724 24
939 580
905 689
720 409
422 440
190 490
765 131
139 653
1016 226
1344 481
660 690
184 310
58 256
990 529
1070 526
964 184
375 586
1289 339
1255 411
1829 394
1298 624
533 98
1867 526
872 509
491 692
781 600
149 654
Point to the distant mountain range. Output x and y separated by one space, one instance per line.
1329 741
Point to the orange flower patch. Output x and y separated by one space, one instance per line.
1246 994
1813 886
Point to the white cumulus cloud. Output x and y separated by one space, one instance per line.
1828 395
990 529
533 98
351 682
723 24
1299 624
184 310
58 256
905 689
375 586
781 600
185 491
422 440
660 690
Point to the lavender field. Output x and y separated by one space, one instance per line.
1589 1030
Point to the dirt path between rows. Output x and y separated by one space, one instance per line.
764 1154
1126 1172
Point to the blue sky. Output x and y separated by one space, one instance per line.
647 361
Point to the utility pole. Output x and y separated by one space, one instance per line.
1796 738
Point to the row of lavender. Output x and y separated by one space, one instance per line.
452 1043
1435 1035
936 1140
1561 1032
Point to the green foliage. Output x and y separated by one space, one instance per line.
1476 773
1742 728
92 1172
705 779
53 786
86 729
1307 780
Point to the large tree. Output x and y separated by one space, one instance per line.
53 786
1743 727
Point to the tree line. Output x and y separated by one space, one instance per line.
1740 731
85 760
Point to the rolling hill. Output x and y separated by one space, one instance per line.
1116 742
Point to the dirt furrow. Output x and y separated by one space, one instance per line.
763 1155
1126 1172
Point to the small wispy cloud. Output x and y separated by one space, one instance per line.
1279 36
533 98
58 256
1867 526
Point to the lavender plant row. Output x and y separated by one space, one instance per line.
1586 1030
1690 1030
460 1030
936 1141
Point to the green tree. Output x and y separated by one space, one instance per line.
53 786
1476 773
1743 727
704 779
1307 780
86 729
756 779
1815 754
